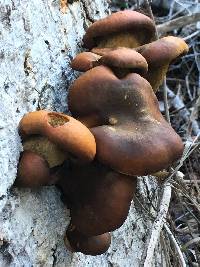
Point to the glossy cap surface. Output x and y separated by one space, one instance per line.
67 133
132 127
120 22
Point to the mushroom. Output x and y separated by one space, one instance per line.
159 55
133 137
55 137
121 110
121 29
33 170
121 61
62 130
85 61
94 245
98 197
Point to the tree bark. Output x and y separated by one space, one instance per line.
38 39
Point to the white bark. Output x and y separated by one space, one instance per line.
37 42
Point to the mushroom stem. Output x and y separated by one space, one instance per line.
159 54
126 39
48 150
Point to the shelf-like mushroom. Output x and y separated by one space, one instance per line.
133 137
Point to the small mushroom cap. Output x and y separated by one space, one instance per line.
33 171
119 97
94 245
99 198
133 128
67 133
163 51
125 58
84 61
32 123
120 22
121 61
159 55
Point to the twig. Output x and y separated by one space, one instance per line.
178 23
149 10
191 35
158 225
182 216
178 250
192 181
138 4
187 151
194 114
166 106
165 246
178 103
191 242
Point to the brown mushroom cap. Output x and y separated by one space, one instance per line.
84 61
33 171
121 61
134 138
94 245
125 59
67 133
159 54
133 29
99 198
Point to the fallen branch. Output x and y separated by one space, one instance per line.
178 23
178 250
166 105
158 225
192 181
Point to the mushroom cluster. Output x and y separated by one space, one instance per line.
118 132
115 98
